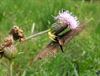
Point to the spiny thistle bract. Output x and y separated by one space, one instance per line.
68 19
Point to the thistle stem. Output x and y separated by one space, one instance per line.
10 69
37 34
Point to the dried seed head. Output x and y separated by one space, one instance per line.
17 33
8 41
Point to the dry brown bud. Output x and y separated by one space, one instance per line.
17 33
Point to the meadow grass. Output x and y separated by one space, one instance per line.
82 52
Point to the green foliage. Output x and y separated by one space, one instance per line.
82 52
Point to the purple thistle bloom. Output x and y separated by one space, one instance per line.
68 19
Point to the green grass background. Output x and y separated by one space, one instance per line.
83 49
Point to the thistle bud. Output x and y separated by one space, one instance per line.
10 52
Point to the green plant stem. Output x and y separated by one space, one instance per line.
11 67
37 34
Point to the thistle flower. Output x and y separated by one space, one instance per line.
68 19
